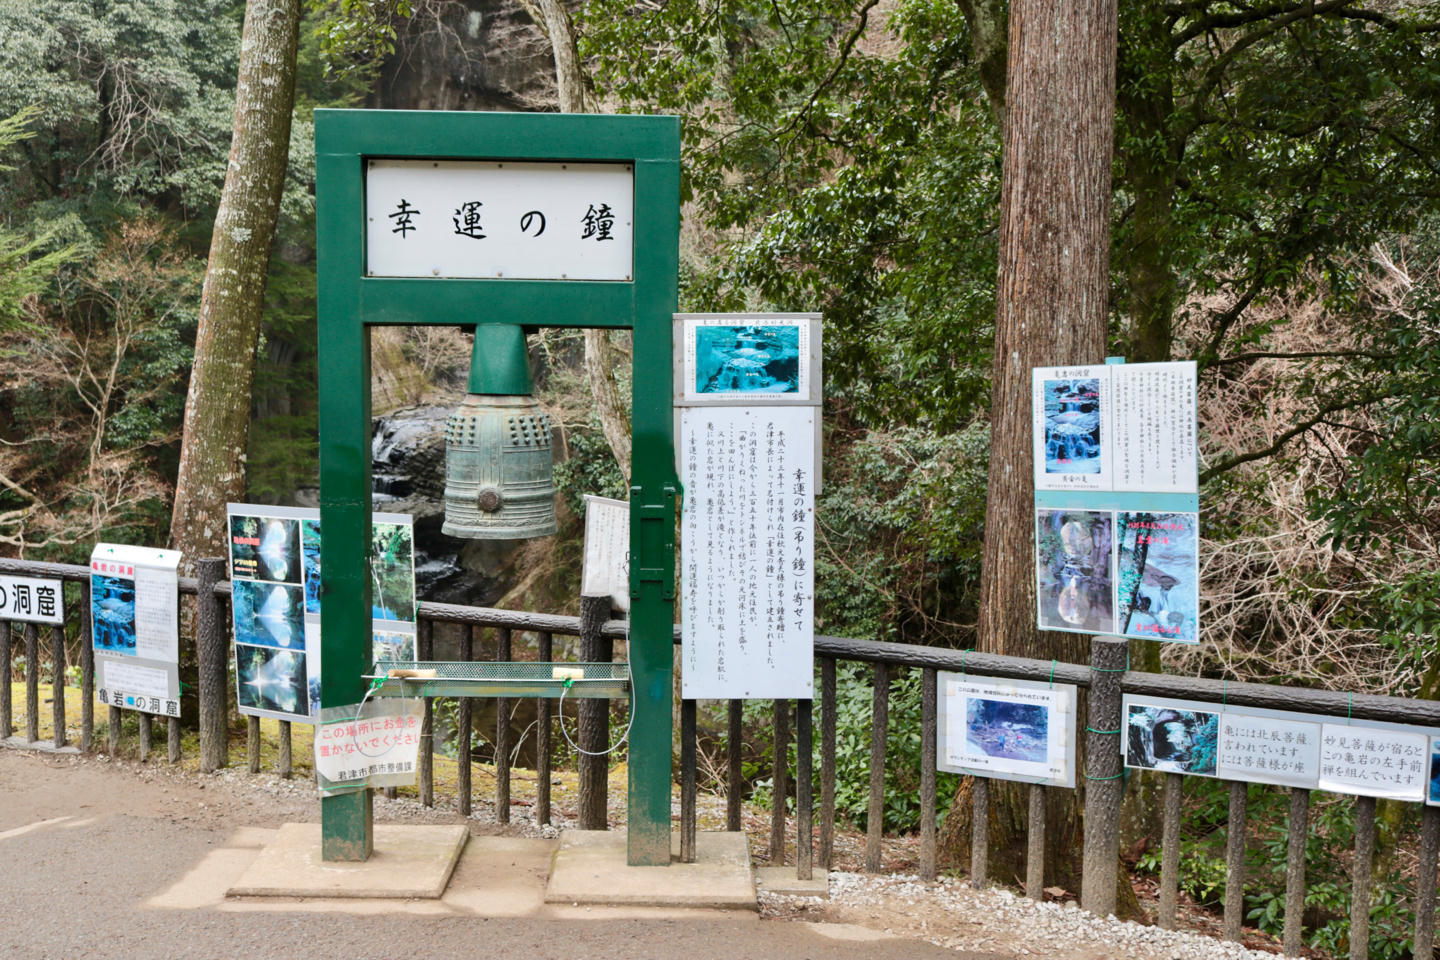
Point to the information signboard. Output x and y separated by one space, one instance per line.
1117 527
747 398
275 604
1007 729
605 571
135 627
1256 745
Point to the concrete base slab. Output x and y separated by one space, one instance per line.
408 863
782 881
590 868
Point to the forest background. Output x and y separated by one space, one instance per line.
1276 185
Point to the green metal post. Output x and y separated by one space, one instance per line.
499 364
653 495
346 823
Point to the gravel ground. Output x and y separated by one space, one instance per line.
951 913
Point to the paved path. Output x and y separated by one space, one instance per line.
118 860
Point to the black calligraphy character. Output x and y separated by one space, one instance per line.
598 223
45 601
467 220
402 217
22 598
529 218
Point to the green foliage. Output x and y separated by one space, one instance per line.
861 184
589 467
28 264
1328 887
899 525
353 37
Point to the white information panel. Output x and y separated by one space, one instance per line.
1257 745
747 552
1374 763
523 221
1007 729
135 627
32 599
1126 427
606 568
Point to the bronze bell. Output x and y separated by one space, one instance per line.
499 468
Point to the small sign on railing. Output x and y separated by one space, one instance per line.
32 599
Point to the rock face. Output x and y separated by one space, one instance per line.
473 55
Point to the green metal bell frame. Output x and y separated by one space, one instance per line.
499 466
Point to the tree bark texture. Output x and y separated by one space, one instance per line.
599 351
1052 299
217 409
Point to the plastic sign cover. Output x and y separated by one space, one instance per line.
275 604
1007 729
135 627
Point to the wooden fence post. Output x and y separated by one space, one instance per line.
210 654
1109 658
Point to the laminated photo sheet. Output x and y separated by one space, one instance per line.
1007 729
378 746
275 608
1257 745
1116 427
267 610
1432 794
1131 574
135 627
747 358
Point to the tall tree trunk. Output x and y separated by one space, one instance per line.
599 352
217 409
1052 309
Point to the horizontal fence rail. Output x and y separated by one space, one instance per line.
799 839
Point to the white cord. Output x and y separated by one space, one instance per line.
630 676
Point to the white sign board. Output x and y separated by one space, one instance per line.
606 568
521 221
135 627
32 599
1127 427
1268 750
378 749
1374 763
747 552
1257 745
1007 729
